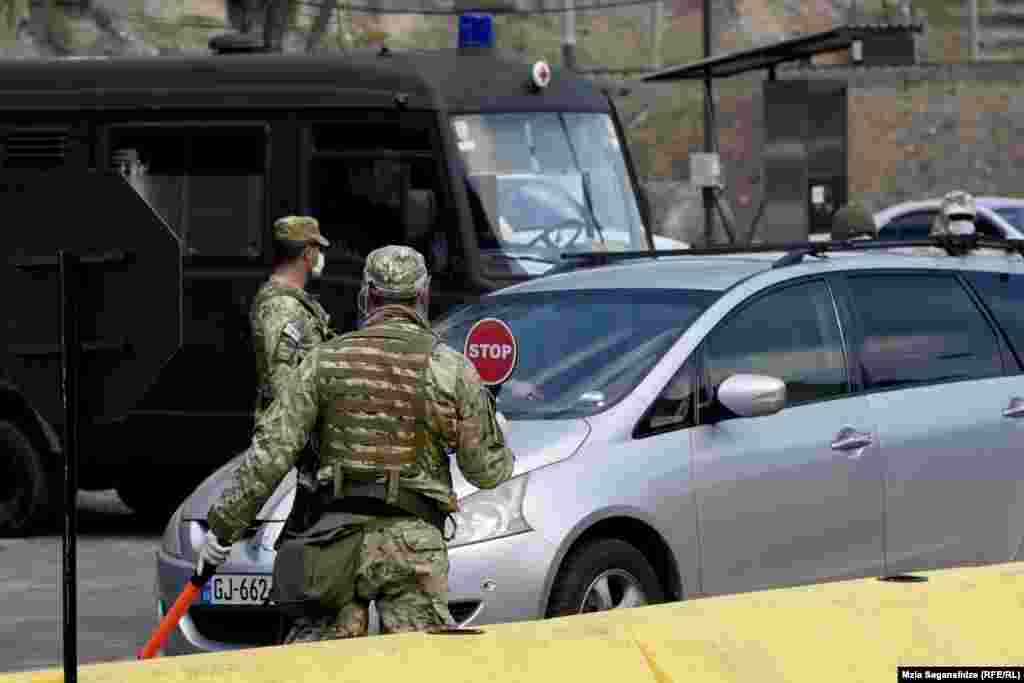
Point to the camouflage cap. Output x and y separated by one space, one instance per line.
853 220
958 203
399 272
304 229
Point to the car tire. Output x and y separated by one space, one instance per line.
607 573
24 493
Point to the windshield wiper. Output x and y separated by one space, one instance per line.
585 175
590 204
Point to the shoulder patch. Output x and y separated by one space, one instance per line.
292 331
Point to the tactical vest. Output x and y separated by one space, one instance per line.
321 330
375 418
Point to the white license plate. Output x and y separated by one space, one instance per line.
237 589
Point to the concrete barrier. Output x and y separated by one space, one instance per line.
844 631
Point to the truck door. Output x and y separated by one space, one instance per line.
372 181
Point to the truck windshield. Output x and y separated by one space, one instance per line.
580 352
543 184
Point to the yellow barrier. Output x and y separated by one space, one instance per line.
845 631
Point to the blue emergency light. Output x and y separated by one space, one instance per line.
476 30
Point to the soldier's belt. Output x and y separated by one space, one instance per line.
369 498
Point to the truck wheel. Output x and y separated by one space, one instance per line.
23 490
604 574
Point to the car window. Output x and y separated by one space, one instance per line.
920 329
1014 215
579 351
1004 295
912 226
791 334
676 406
987 228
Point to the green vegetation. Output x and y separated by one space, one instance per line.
946 39
670 123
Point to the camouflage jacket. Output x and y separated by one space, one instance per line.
286 323
460 415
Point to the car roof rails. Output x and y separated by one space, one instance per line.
954 245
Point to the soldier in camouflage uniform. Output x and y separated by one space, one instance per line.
287 321
390 402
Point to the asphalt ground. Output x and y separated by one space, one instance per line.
115 600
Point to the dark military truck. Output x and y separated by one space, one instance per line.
491 167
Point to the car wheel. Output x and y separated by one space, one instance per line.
23 489
604 574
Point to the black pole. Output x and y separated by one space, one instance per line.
709 198
70 352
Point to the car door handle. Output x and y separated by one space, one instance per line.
1015 409
849 439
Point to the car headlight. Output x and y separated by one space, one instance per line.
490 514
171 542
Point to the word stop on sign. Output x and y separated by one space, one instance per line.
491 351
491 348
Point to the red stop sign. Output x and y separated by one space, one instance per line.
491 348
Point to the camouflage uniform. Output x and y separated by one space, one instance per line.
286 321
401 562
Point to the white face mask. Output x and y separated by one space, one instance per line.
318 269
961 227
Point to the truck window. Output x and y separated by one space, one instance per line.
541 184
206 180
372 185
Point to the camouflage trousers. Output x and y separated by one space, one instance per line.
400 564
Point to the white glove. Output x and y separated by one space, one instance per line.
502 422
211 553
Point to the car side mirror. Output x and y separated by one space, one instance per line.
419 211
752 395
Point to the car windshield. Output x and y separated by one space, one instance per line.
581 351
1014 215
543 184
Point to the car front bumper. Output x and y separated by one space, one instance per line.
504 577
490 582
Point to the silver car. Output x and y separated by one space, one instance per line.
699 425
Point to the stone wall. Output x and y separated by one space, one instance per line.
913 132
921 131
928 138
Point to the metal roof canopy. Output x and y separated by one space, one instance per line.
770 56
801 48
